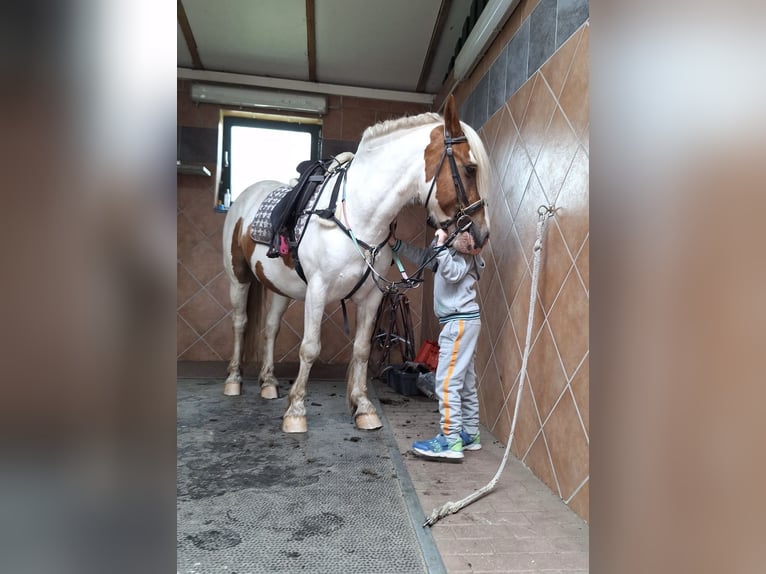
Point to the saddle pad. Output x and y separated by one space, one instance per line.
261 230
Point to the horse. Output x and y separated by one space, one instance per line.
345 247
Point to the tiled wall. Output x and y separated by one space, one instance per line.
537 134
203 317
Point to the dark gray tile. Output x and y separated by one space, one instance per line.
517 60
542 34
481 97
497 75
571 15
466 111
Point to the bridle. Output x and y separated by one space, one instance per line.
461 219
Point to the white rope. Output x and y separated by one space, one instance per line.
452 507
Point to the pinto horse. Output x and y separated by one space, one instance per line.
432 160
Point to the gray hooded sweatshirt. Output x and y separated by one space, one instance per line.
456 275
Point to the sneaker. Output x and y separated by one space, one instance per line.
439 448
471 442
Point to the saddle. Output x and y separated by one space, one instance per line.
285 214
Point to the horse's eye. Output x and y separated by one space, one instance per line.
470 170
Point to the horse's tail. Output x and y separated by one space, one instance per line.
256 297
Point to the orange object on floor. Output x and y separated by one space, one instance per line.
428 354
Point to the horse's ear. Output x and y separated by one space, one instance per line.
451 120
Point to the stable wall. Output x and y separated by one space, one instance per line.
528 98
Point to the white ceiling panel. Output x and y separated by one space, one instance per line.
378 44
373 44
261 37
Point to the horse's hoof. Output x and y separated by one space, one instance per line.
294 423
232 389
369 421
269 392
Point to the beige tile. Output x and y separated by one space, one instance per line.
519 101
491 394
218 288
569 323
538 116
555 264
185 336
488 131
568 445
574 98
539 462
557 67
546 376
202 214
528 423
507 357
516 177
199 352
506 137
555 159
581 390
220 338
512 268
573 202
583 264
494 310
186 286
187 236
527 215
203 262
520 312
201 312
287 346
581 502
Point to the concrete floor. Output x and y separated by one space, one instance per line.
521 526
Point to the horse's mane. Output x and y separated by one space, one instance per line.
388 126
474 142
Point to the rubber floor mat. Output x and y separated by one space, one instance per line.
253 499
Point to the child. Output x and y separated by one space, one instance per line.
457 270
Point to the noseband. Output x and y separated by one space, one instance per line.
462 216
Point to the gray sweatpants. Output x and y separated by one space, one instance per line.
456 377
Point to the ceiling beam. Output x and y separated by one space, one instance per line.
183 21
311 40
301 86
436 35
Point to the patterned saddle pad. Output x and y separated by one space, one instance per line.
261 230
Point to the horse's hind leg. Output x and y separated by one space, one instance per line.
269 383
238 294
365 415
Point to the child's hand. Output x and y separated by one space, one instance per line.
441 237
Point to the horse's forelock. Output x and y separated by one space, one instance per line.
484 173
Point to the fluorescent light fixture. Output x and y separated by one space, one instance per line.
491 19
251 98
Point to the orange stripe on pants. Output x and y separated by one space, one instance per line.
448 376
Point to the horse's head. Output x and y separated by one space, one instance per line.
457 163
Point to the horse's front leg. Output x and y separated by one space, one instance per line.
365 415
269 383
294 419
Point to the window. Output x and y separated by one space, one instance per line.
256 148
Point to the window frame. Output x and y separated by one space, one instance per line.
232 118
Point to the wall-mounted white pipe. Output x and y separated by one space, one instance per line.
491 20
